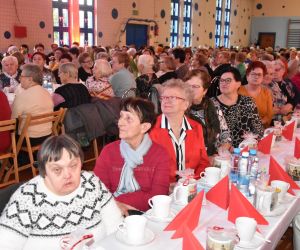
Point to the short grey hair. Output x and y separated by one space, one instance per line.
9 58
52 149
104 67
69 68
182 86
33 71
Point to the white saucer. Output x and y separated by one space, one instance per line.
149 237
149 214
256 242
287 198
278 210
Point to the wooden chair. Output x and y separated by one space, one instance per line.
60 126
9 126
95 152
28 121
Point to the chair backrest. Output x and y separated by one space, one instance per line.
9 126
29 120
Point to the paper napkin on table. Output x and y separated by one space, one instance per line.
189 241
288 131
219 194
278 173
297 148
188 216
264 145
239 206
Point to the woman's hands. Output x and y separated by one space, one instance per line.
124 208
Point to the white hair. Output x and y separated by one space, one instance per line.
9 58
146 60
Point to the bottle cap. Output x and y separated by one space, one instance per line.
252 152
236 150
245 154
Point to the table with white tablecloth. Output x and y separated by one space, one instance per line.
211 215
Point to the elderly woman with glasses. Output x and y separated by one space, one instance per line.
215 130
261 95
181 136
86 65
62 199
285 94
240 111
134 168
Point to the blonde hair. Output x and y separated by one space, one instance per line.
104 67
69 68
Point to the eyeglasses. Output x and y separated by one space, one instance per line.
24 76
89 61
226 80
253 74
171 98
194 86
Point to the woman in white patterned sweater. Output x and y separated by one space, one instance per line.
43 212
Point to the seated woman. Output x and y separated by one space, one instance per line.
98 85
167 67
261 95
71 93
203 111
39 59
34 100
147 79
181 136
239 111
43 212
85 70
134 168
5 114
285 94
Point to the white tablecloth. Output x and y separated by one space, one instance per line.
212 215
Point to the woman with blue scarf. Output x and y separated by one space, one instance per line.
134 168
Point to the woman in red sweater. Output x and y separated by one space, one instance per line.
5 114
181 136
134 168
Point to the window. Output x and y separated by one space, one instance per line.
218 23
86 22
174 22
60 22
187 23
227 23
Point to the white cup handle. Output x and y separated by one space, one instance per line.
175 192
202 174
150 202
122 227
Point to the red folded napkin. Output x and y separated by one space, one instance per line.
219 194
264 145
288 131
239 206
297 148
188 216
190 242
278 173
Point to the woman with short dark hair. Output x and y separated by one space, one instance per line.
134 168
43 212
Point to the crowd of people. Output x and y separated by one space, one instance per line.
210 100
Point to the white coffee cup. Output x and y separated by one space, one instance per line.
185 191
160 205
212 175
134 228
265 199
282 185
246 228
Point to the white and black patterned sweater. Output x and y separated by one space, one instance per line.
35 218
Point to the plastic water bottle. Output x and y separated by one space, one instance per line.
47 83
243 163
235 165
252 155
254 168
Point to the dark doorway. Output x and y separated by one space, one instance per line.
266 39
136 34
